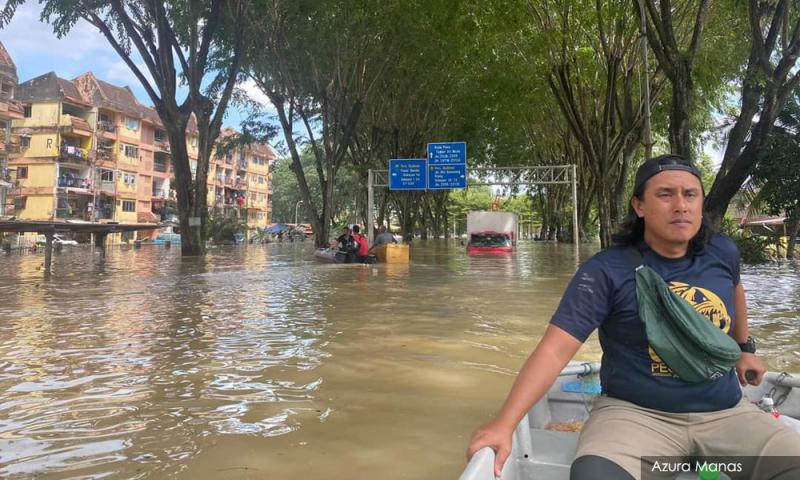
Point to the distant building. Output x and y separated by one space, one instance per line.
9 110
88 150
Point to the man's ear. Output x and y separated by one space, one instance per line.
636 204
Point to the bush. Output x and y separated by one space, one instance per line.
222 229
753 249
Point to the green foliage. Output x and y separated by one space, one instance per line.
753 249
222 228
286 192
778 169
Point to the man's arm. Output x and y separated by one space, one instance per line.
740 330
748 361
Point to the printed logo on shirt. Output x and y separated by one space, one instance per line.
704 301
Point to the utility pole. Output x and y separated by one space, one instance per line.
648 142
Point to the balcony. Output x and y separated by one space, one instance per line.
107 186
105 155
162 144
75 125
74 182
72 214
106 126
160 166
104 212
228 181
73 154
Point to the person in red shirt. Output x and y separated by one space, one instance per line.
363 245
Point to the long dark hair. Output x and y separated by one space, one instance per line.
631 230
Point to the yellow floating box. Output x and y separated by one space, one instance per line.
392 253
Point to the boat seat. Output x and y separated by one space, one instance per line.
553 453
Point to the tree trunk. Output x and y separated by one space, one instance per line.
680 111
192 205
607 226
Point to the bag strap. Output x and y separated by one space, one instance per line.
633 255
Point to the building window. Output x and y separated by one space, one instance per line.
22 172
25 142
129 179
131 124
28 111
106 175
130 151
127 236
128 206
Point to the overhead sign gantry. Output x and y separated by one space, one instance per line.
446 168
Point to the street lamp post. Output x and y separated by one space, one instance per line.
295 211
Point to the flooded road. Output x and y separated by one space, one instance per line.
258 362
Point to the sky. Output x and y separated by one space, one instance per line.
36 51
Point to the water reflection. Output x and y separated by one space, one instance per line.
259 361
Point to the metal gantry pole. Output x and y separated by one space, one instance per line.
575 235
370 201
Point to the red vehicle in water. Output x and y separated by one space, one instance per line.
492 233
492 243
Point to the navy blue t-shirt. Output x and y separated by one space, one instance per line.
602 294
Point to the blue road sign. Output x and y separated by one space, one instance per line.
442 177
407 174
447 153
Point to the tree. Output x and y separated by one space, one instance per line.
769 79
192 45
286 195
777 173
677 63
594 77
317 63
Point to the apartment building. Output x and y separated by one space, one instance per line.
241 180
9 110
90 151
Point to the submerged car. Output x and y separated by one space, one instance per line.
490 243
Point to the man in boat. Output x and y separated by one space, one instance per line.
384 236
347 244
362 245
646 409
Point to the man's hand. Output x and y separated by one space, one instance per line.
747 362
495 436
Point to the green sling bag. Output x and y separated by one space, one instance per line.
691 346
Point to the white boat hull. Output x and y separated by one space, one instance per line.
541 454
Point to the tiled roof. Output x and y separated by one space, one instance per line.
70 91
104 94
49 87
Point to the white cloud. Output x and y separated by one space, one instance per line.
119 73
251 89
26 35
